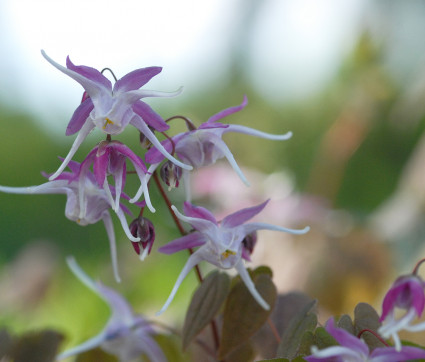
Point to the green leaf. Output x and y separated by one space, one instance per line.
97 355
366 317
244 353
323 339
346 323
305 320
242 315
205 304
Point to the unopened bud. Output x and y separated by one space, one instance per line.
142 228
171 174
144 141
248 244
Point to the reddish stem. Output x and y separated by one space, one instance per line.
418 264
189 124
274 330
374 333
213 324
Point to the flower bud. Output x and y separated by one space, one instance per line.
248 244
170 174
144 141
142 228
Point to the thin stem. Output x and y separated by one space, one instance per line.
110 70
374 333
189 124
418 264
274 330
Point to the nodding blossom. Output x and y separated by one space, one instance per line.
86 203
111 109
407 293
127 335
220 243
204 146
354 349
109 158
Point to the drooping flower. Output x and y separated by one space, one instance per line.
220 243
143 229
204 145
109 158
111 109
86 203
406 293
354 349
126 335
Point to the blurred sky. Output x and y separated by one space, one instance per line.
289 47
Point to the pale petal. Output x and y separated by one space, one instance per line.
124 225
109 226
256 133
131 97
193 260
201 225
251 227
86 346
87 127
240 267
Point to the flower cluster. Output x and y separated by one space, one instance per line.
97 185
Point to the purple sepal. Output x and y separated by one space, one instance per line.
198 212
79 117
136 79
89 73
188 241
243 215
150 117
228 111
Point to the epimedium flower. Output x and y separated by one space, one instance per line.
220 243
111 109
143 229
355 349
407 293
86 203
204 146
127 335
109 158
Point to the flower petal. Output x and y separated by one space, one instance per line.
193 260
202 225
136 79
256 133
243 215
151 118
228 111
89 73
109 226
191 240
240 267
79 117
254 226
198 212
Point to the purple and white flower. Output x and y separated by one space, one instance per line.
111 109
407 293
355 349
204 145
126 335
86 203
220 243
109 158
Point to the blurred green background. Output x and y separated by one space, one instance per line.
357 154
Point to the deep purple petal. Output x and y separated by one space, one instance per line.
198 212
100 166
389 354
241 216
346 339
191 240
406 291
89 73
136 79
79 117
228 111
127 152
150 117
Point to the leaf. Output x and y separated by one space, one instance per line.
97 355
242 315
6 343
244 353
346 323
322 339
170 346
37 346
305 320
366 317
205 304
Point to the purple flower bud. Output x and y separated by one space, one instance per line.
171 174
248 244
144 141
142 228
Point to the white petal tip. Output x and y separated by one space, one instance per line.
133 239
288 135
